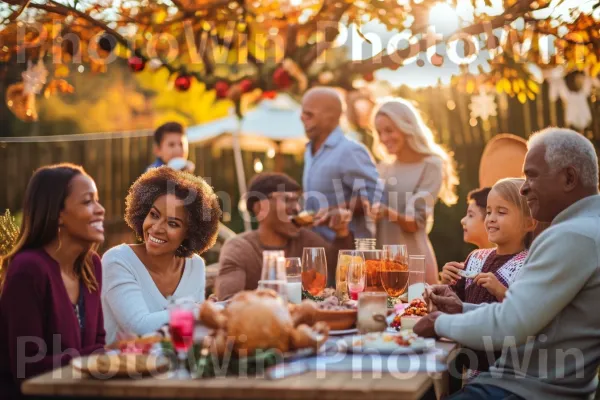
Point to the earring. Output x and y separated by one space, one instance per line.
59 241
181 250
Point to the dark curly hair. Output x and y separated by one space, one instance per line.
200 201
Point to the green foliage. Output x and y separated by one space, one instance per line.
9 232
206 364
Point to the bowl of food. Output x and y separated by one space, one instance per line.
411 314
336 314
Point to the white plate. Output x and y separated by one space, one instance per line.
384 343
343 332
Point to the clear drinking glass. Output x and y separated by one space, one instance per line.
181 328
314 270
394 269
372 310
416 277
269 260
274 276
341 274
293 269
356 276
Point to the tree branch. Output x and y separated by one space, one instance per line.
315 51
395 59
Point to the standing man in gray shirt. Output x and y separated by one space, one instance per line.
548 326
338 172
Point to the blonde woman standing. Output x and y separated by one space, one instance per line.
416 171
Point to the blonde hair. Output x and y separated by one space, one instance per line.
510 190
420 139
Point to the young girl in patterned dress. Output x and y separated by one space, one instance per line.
489 272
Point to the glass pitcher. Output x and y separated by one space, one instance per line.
373 260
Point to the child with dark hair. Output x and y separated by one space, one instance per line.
171 147
473 223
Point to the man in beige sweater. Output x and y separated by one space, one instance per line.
273 200
548 326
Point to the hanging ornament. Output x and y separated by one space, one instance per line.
154 64
183 83
246 85
574 93
483 106
107 43
136 64
221 88
34 77
282 78
369 77
20 103
437 60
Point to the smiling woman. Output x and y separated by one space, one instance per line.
50 282
176 216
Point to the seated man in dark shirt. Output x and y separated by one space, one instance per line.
273 200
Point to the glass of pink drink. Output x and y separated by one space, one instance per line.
356 276
181 328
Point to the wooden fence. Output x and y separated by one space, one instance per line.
115 161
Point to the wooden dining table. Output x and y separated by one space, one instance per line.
323 384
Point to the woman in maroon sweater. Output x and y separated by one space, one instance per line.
50 309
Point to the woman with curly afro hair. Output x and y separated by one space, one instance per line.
176 216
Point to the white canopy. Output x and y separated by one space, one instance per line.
276 120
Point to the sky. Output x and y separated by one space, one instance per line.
445 21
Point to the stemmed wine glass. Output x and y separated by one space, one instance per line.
314 270
181 328
357 274
394 269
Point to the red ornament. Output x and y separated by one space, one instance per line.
246 85
369 77
136 64
221 88
270 94
282 78
183 82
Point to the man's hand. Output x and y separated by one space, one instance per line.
426 325
445 299
450 272
489 281
336 218
339 221
378 211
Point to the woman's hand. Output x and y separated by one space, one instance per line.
450 272
489 281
